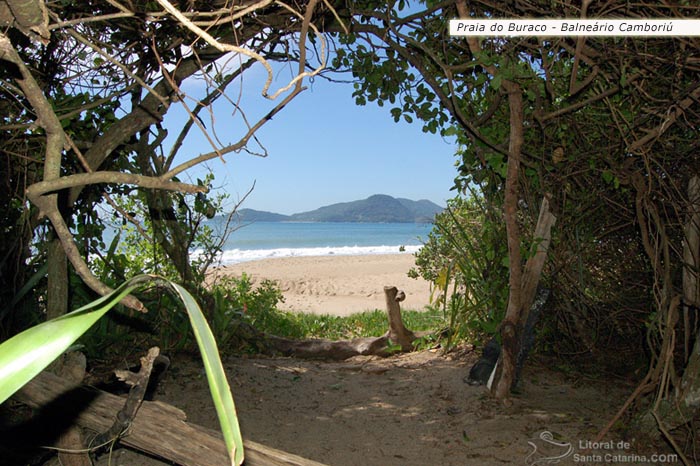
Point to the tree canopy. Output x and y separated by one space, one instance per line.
84 101
603 128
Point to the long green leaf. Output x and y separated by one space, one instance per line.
31 283
218 384
23 356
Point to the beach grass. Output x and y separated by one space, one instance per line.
363 324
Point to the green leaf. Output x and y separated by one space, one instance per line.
218 384
607 176
23 356
31 283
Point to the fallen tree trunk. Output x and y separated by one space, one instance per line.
343 349
320 348
158 428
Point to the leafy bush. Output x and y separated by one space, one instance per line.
236 300
179 244
465 259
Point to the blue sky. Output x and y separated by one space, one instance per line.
322 149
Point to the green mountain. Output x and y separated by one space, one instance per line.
251 215
424 210
379 208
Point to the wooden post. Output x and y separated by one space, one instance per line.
535 264
397 331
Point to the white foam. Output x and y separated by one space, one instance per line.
235 256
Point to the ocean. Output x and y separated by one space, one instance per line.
263 240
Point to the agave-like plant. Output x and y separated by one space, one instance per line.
26 354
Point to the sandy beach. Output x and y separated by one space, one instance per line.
337 285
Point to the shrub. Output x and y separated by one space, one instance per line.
465 259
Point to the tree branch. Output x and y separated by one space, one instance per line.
85 179
55 140
673 113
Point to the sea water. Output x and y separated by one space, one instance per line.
263 240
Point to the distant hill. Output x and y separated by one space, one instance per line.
379 208
251 215
423 209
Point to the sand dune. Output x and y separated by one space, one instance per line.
338 285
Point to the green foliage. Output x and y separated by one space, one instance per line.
464 259
236 300
229 303
142 249
23 356
617 192
363 324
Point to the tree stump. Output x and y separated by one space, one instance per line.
398 333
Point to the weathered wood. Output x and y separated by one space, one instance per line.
138 381
397 331
71 368
319 348
158 428
535 264
343 349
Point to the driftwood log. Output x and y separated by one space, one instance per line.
398 333
320 348
158 428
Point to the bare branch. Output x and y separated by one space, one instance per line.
85 179
121 66
233 147
672 114
209 39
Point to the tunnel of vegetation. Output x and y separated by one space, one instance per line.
604 129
